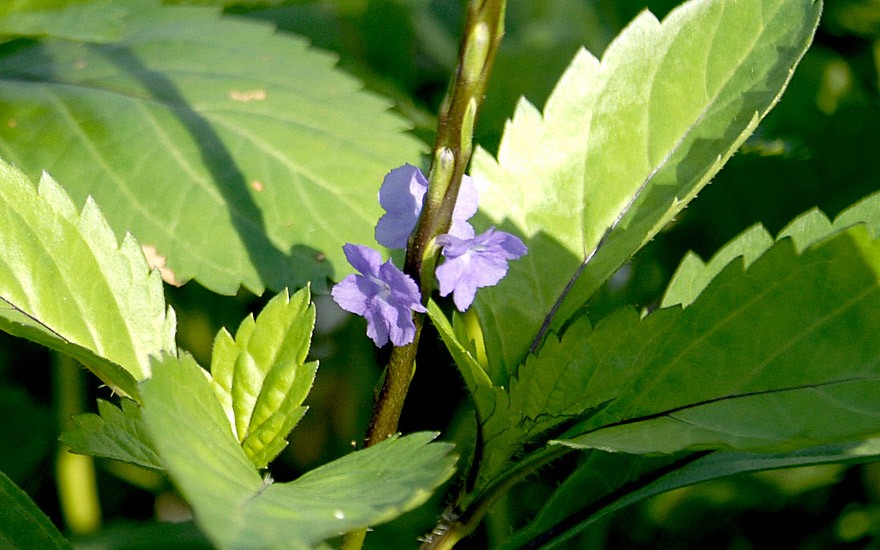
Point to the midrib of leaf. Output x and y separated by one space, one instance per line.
670 412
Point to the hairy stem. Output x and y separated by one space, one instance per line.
458 114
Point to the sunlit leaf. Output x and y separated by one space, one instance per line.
261 376
67 283
621 147
239 154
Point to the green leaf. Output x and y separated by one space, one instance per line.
196 445
84 20
736 369
605 483
363 488
239 154
114 433
238 509
22 524
65 282
547 394
742 365
261 376
473 372
622 146
693 275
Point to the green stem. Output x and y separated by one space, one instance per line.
475 506
458 114
452 149
401 367
77 485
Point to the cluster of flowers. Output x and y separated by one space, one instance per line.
384 294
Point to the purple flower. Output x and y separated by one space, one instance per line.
402 195
383 294
474 263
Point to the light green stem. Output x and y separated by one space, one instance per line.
75 474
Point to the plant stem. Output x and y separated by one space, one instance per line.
458 114
77 485
484 28
452 151
476 505
401 367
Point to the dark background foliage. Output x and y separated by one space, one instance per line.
818 148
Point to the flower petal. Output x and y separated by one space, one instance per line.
363 258
465 208
349 296
401 195
474 263
384 295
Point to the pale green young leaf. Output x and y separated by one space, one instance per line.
621 147
606 482
261 376
117 433
238 509
241 155
22 524
67 283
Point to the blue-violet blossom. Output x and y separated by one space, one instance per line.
474 263
383 294
402 195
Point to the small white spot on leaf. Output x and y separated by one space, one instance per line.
247 95
157 261
257 185
339 514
